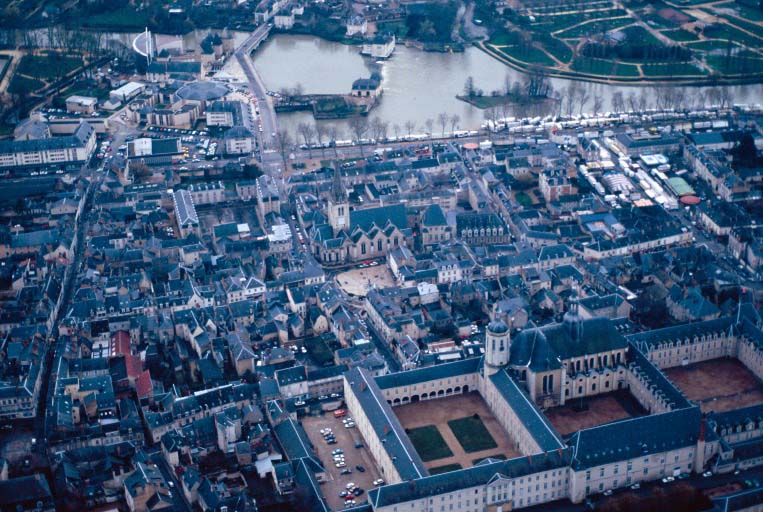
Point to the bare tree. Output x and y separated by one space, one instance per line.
429 123
283 144
571 96
320 136
333 134
359 128
409 127
491 116
454 120
376 129
618 102
643 100
307 131
633 102
442 118
396 129
384 129
584 94
598 101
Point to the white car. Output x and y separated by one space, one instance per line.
378 482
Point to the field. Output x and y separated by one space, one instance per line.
43 66
593 411
718 385
472 434
429 443
125 18
438 414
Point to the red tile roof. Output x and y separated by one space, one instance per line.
120 343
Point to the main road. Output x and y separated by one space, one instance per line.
267 113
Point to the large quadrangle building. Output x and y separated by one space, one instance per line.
545 367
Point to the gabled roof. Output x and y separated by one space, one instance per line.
635 437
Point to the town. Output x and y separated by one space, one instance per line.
204 309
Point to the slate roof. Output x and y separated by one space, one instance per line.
386 425
635 437
530 416
380 216
645 340
478 475
419 375
545 347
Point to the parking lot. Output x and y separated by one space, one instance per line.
346 439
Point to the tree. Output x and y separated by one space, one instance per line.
442 118
429 123
571 95
376 129
597 103
618 103
584 94
307 131
283 144
409 127
396 129
333 134
454 120
491 116
320 135
469 89
633 102
359 128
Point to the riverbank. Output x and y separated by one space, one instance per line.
640 81
484 102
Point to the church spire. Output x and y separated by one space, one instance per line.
338 192
573 323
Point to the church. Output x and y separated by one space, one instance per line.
352 235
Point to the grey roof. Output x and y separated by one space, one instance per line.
419 375
480 474
530 416
365 219
388 428
646 339
293 440
78 139
202 91
184 208
635 437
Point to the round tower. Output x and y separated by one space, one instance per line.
497 346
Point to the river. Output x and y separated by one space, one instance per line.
417 85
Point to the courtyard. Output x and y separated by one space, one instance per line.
356 281
579 414
455 432
718 385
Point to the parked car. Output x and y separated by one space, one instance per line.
360 468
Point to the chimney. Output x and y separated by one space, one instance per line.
530 458
386 429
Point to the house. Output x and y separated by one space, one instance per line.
367 87
357 25
380 46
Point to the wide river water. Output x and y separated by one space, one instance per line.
417 85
